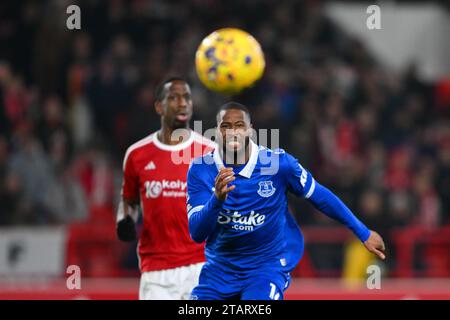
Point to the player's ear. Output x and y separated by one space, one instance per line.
159 108
218 133
250 130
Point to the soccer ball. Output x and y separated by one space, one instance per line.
229 60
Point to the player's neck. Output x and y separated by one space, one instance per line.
165 135
238 159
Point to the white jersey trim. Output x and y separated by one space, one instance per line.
248 168
194 210
140 143
311 189
176 147
203 140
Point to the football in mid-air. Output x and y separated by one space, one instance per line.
229 60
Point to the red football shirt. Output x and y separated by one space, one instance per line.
156 174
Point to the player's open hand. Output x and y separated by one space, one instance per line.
375 244
225 176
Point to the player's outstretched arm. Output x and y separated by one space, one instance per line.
302 184
203 217
126 225
328 203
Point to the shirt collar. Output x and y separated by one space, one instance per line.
250 165
175 147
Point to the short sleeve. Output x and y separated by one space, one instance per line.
300 181
130 183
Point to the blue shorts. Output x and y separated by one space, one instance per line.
218 283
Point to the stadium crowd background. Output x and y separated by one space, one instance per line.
71 102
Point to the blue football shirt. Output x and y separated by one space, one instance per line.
253 228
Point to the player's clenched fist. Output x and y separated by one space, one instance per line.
225 176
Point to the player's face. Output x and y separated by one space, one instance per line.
234 130
176 107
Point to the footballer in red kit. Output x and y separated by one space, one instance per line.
154 178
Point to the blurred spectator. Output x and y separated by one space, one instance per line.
95 175
13 207
443 181
53 126
30 165
428 203
66 198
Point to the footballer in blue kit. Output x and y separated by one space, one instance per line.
237 202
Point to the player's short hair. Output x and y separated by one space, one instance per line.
159 92
234 106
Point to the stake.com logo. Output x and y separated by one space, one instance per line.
241 222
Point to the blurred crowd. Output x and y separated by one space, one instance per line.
71 102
